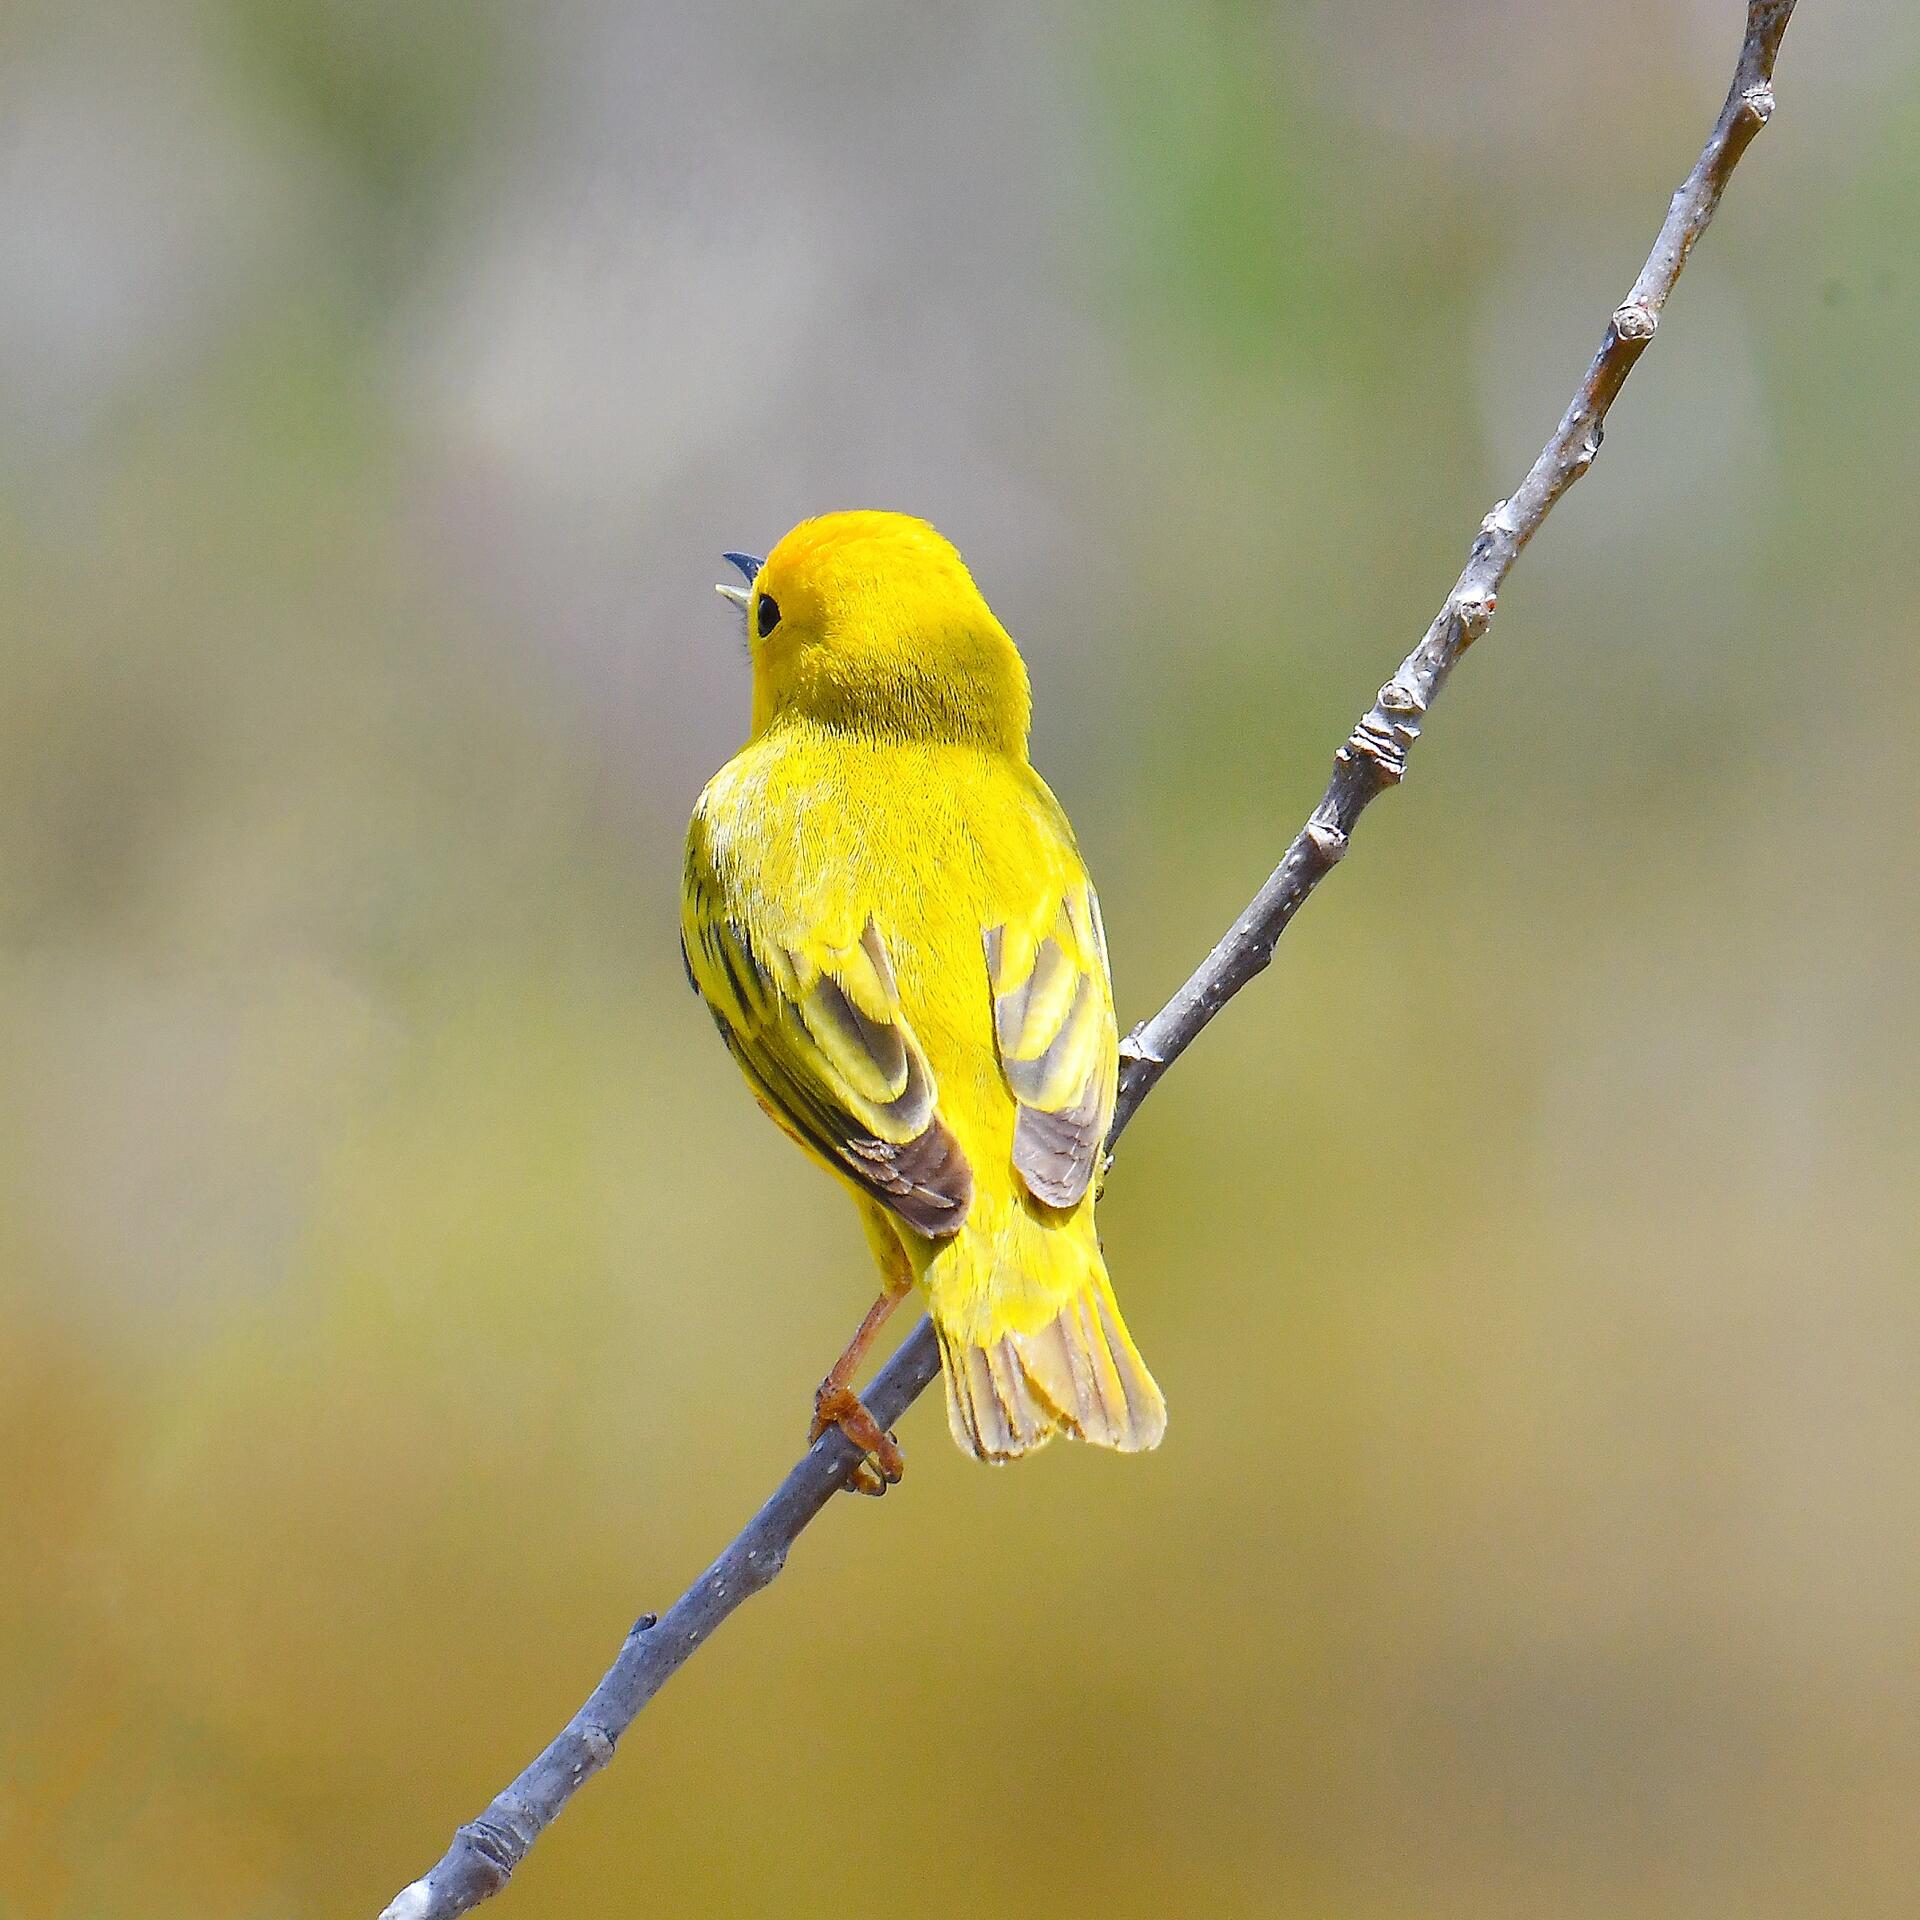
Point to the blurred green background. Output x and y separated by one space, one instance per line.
398 1290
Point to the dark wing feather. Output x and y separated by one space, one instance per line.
820 1034
1059 1047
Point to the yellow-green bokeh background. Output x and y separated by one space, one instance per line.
399 1292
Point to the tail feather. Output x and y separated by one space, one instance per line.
1078 1373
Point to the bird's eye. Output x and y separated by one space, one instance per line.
769 615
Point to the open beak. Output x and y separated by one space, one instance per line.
749 567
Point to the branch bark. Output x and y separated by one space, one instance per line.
487 1849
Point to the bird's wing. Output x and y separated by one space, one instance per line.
1059 1046
820 1034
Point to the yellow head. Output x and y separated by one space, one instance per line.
871 623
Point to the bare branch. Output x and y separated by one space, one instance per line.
1375 755
486 1850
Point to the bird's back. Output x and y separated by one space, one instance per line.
959 840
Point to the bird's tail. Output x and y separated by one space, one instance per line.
1041 1348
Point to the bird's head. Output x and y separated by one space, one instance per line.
871 622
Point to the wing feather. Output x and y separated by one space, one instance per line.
1059 1046
820 1033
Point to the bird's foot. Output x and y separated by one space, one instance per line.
882 1462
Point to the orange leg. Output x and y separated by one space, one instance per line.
837 1405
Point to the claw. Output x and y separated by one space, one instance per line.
882 1463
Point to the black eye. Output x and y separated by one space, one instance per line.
769 616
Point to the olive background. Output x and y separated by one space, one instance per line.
398 1289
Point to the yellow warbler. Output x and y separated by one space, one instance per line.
887 915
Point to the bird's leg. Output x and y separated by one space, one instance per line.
837 1405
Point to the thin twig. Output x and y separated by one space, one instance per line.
486 1850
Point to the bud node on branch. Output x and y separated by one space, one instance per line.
1635 321
1475 613
1328 840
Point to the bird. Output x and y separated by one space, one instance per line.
886 913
